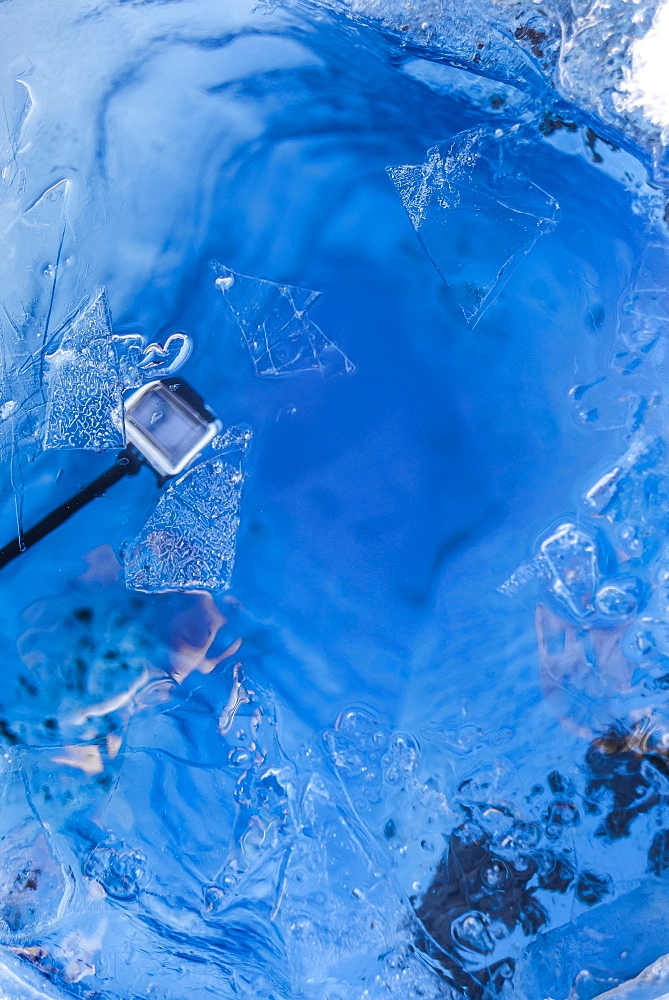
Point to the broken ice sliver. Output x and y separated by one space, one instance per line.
188 541
475 212
571 556
84 394
275 328
642 454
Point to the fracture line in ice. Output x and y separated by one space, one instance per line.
275 328
475 212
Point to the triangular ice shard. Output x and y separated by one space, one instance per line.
188 542
83 386
273 321
475 213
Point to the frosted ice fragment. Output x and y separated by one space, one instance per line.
188 542
273 321
475 213
84 392
571 557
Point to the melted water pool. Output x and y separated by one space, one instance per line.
370 701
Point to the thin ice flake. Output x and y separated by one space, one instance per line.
567 563
475 213
188 542
84 393
275 328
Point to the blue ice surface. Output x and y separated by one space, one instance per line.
257 794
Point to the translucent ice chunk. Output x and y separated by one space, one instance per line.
571 556
642 453
651 984
475 212
619 598
84 391
275 327
188 542
337 910
34 886
567 563
646 310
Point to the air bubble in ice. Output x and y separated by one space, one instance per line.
475 212
472 931
273 321
619 598
118 868
494 875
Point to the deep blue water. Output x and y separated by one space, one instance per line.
174 824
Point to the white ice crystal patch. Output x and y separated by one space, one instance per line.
83 387
188 542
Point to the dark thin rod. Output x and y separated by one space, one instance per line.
127 464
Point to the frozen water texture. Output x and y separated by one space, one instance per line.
84 392
645 309
87 374
604 56
468 197
651 984
35 883
568 561
37 233
273 321
188 542
89 686
642 454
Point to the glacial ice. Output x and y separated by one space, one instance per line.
161 764
273 321
84 391
188 541
600 55
467 197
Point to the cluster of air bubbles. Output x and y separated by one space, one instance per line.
118 868
368 759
